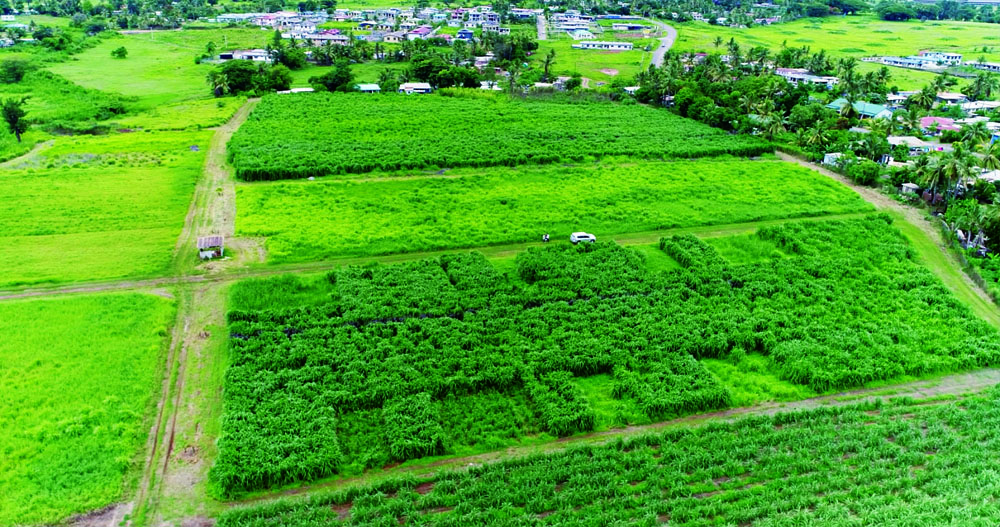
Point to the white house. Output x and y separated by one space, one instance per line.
368 88
410 88
943 57
600 44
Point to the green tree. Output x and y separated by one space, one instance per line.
13 71
14 115
338 78
120 52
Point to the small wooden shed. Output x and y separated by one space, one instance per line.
210 247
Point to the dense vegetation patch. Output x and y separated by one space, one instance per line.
76 378
316 134
868 464
307 221
388 364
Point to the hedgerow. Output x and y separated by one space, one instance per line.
396 350
318 134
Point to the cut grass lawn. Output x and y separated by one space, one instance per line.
92 208
590 62
160 67
316 220
77 378
856 36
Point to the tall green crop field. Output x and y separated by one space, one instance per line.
316 134
387 364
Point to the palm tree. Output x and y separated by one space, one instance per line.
976 134
550 58
991 157
909 119
933 176
924 98
718 42
219 82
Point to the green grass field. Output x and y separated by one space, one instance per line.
100 207
160 67
76 381
856 36
597 65
313 220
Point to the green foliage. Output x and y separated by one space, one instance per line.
120 52
13 114
337 78
411 427
78 375
302 135
98 207
501 205
54 102
867 464
13 70
373 366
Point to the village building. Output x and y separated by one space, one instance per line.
864 109
599 44
411 88
368 88
211 247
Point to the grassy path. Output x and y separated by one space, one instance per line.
227 274
213 208
928 241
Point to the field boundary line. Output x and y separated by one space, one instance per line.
491 251
956 385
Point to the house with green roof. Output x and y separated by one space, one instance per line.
866 110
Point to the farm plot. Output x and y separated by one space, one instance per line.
318 134
868 464
856 36
307 221
76 379
92 208
383 364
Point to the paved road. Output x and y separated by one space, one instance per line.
540 22
666 42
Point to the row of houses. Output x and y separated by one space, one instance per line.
925 60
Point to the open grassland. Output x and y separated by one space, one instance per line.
868 464
76 379
160 68
91 208
313 220
598 65
318 134
194 114
386 364
856 36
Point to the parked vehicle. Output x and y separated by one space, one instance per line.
578 237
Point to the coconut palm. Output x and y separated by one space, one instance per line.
991 157
976 134
924 98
